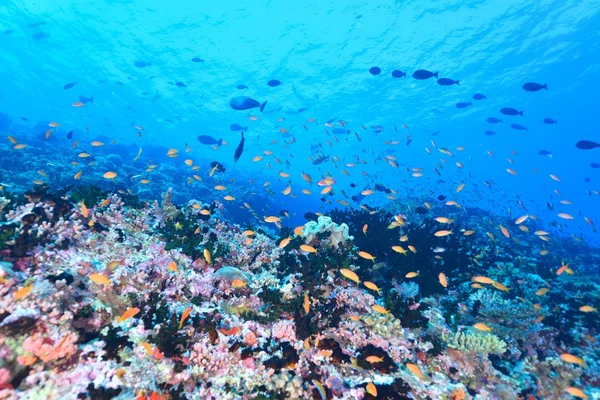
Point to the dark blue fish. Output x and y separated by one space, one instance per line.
331 120
398 74
534 87
86 100
544 153
69 85
314 147
119 83
242 87
302 109
408 141
142 64
595 165
339 131
479 96
424 74
447 82
587 179
25 119
463 104
375 70
490 133
240 149
519 127
320 159
40 35
493 120
586 145
435 133
218 165
180 84
209 140
274 83
550 121
197 59
70 135
510 111
237 127
245 103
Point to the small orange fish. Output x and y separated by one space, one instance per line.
350 275
306 303
366 256
372 286
238 284
172 266
22 292
129 313
100 279
573 391
307 248
379 309
207 256
184 315
364 229
374 359
284 242
371 389
482 327
230 331
415 370
411 275
570 358
443 280
84 210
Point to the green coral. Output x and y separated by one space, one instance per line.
475 342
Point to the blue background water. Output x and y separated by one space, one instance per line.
321 53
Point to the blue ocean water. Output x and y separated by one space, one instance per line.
129 56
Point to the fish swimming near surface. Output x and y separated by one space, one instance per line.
40 36
69 85
340 131
70 135
180 84
86 100
493 120
209 140
534 87
447 82
586 145
463 104
490 133
237 127
274 83
240 149
374 70
479 96
510 111
544 153
595 165
197 60
217 166
245 103
550 121
398 74
142 64
240 87
518 127
320 159
422 74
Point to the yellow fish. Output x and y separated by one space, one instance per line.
372 286
350 275
207 256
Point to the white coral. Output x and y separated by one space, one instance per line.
338 233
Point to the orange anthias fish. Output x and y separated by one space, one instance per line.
366 256
130 313
22 292
184 315
415 370
306 303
